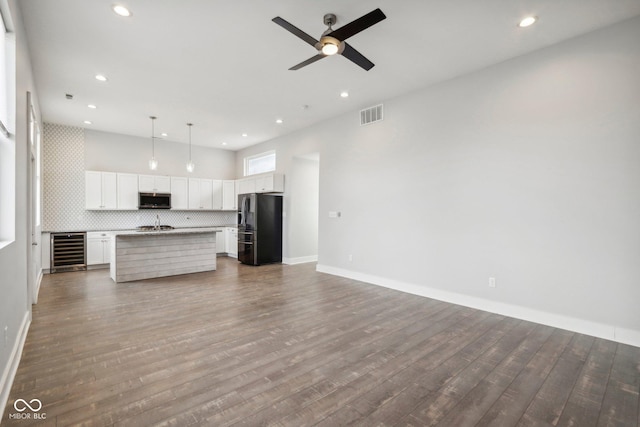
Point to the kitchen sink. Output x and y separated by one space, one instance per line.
154 228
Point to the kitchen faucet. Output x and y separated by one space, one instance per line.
157 223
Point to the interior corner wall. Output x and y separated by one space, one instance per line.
15 309
526 171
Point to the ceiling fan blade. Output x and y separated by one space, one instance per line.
308 61
295 31
354 27
356 57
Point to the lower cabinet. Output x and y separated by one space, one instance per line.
98 247
220 242
231 237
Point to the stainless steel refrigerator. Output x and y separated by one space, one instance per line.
259 228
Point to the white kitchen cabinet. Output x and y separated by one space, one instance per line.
217 194
231 241
127 191
270 183
179 193
267 183
154 184
200 193
98 247
220 242
246 185
100 190
229 195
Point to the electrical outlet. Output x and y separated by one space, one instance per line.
492 282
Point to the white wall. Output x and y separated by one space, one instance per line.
526 171
15 309
105 151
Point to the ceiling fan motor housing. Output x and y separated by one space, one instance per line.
329 19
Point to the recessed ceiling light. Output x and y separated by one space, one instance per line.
244 135
87 122
529 20
93 107
164 134
101 77
344 94
224 143
279 121
121 10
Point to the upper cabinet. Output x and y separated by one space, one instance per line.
127 191
270 183
200 193
229 195
179 193
119 191
267 183
247 185
217 194
154 184
100 190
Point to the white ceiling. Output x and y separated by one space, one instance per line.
223 65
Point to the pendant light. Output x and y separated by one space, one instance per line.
153 163
190 165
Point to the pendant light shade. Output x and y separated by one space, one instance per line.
190 165
153 163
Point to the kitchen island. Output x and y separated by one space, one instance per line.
138 255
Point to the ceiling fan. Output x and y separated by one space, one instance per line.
333 41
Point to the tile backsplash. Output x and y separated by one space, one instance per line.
63 192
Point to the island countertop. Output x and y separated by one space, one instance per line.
192 230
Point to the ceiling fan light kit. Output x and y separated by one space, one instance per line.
332 42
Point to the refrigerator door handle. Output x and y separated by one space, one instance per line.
243 215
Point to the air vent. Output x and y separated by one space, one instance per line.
371 115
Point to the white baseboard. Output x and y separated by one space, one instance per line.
300 260
582 326
9 373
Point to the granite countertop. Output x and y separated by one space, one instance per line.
119 231
193 230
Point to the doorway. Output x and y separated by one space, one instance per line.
33 206
304 191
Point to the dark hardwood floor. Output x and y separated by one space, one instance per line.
285 345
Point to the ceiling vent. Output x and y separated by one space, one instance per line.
371 115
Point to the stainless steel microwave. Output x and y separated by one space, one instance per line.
154 201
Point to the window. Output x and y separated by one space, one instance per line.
260 163
7 128
5 74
